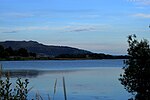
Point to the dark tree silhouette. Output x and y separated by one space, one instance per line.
136 76
1 50
32 54
10 51
23 52
3 53
10 54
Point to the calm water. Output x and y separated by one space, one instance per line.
85 79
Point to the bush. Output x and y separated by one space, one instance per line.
137 70
19 92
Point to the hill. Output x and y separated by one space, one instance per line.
44 50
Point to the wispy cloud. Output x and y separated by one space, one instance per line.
74 27
141 2
72 10
82 29
16 15
19 29
10 31
142 15
90 16
145 2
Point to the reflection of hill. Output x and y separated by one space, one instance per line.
33 73
22 73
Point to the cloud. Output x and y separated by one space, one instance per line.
72 10
141 2
82 29
90 16
19 29
72 27
85 27
10 31
142 15
145 2
16 15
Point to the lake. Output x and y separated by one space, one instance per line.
85 79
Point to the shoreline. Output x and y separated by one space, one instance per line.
36 59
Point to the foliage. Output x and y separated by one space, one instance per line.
9 52
1 49
7 92
18 93
137 70
91 56
23 52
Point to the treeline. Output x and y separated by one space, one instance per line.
91 56
7 53
24 54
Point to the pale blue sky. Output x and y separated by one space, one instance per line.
95 25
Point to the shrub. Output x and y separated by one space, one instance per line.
137 70
19 92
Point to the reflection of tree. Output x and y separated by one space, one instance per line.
136 76
22 73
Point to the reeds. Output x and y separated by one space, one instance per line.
64 88
38 96
55 86
1 71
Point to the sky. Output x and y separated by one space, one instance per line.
100 26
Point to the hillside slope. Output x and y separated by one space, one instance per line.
42 49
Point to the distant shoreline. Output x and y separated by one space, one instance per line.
30 59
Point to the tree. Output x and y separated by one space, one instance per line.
136 76
1 50
10 51
23 52
32 54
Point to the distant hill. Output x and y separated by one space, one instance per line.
44 50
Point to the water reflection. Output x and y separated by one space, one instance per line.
85 80
33 73
82 84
